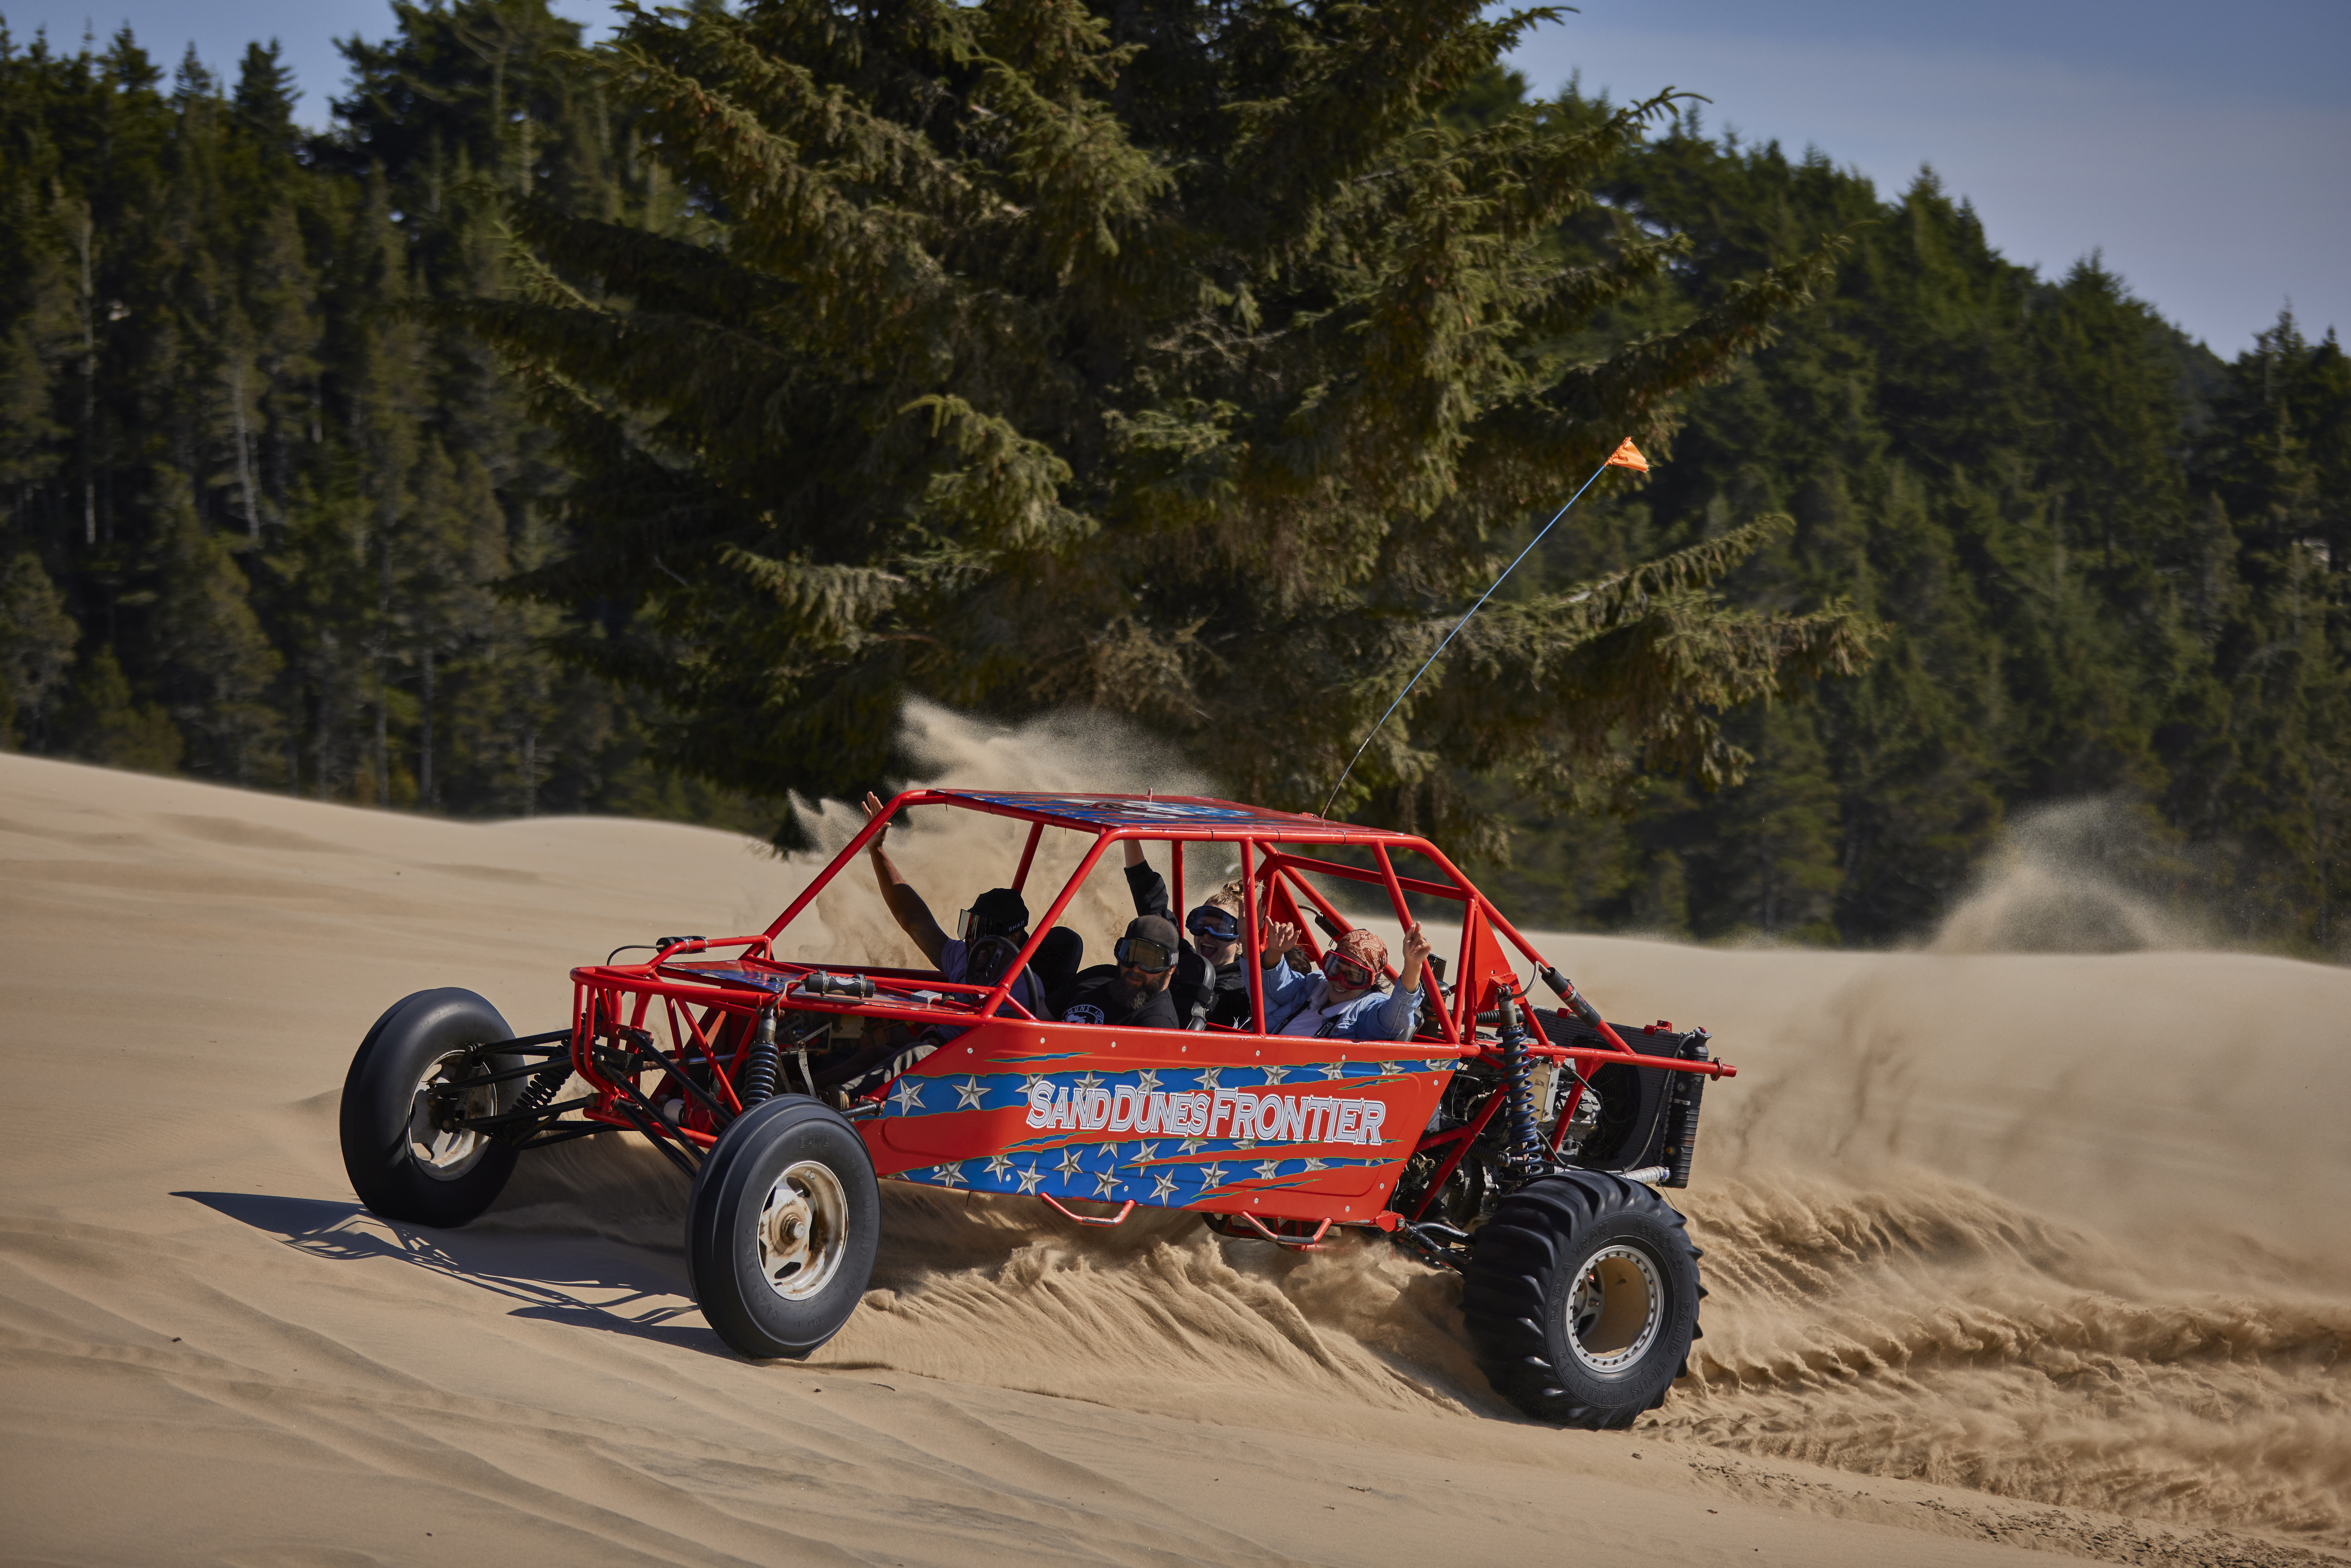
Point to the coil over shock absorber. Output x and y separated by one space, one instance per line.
1524 1153
542 1084
759 1073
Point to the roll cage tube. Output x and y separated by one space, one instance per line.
1269 845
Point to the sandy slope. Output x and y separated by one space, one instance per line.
2067 1232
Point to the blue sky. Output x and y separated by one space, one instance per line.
2206 150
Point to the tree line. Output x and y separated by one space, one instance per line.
629 430
255 508
2113 565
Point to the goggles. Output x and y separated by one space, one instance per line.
1345 969
1213 925
1141 953
971 927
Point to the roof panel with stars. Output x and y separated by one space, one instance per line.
1162 816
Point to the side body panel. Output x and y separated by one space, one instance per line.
1285 1128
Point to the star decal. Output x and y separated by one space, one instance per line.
969 1093
1315 1165
1268 1169
1028 1081
1105 1182
1276 1075
1397 1068
948 1175
1147 1081
1192 1146
1211 1177
999 1166
1072 1162
1030 1178
1091 1081
1163 1187
1208 1078
1335 1070
909 1096
1111 1150
1145 1153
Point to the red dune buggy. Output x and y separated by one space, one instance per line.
1519 1145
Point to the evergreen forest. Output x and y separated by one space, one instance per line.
495 449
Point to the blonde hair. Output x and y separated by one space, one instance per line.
1233 897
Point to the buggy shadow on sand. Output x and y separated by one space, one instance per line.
1521 1146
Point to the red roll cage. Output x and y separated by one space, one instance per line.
1275 852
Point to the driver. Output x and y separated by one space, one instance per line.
987 937
1343 1000
990 935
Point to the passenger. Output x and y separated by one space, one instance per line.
1343 1002
993 931
1132 992
1211 984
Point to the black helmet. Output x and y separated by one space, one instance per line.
998 912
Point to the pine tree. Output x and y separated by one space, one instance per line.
216 664
1165 359
37 650
2276 462
106 723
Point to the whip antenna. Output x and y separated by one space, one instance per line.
1626 455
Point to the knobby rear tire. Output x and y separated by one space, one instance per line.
401 1165
1580 1297
782 1228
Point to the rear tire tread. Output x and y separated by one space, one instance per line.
1516 1263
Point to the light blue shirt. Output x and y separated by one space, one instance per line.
1292 1000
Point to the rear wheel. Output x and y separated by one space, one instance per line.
782 1228
1580 1297
404 1148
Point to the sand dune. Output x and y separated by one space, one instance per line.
2009 1253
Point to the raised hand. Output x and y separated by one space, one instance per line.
1415 954
1278 937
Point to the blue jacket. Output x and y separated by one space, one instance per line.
1290 996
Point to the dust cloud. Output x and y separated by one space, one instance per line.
2075 877
2067 1228
950 858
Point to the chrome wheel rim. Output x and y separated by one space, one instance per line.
440 1147
803 1230
1615 1309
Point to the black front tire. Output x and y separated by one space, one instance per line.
404 1160
782 1228
1580 1297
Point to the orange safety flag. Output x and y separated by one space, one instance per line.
1628 456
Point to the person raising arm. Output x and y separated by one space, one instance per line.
1211 985
995 928
1343 1000
905 905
